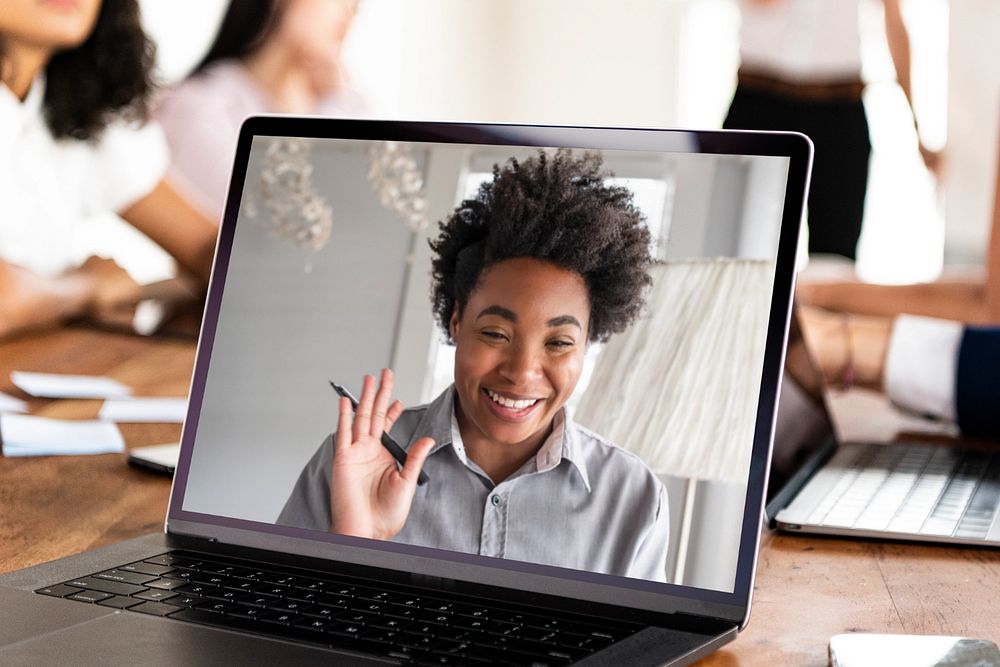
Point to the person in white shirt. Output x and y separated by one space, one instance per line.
274 56
933 367
800 70
75 79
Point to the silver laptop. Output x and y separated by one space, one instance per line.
586 553
931 492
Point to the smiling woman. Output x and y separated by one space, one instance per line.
544 260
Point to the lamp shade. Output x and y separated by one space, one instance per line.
680 387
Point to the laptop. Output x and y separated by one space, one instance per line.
924 491
323 273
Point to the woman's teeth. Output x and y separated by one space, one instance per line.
510 403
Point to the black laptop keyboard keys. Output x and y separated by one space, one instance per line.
409 625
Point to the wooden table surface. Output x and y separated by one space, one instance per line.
807 589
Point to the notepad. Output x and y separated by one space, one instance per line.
24 435
152 410
52 385
11 404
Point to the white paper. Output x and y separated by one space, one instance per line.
52 385
134 410
11 404
24 435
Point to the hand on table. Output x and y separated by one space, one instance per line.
369 495
112 293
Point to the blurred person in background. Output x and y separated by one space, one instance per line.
278 56
800 70
74 143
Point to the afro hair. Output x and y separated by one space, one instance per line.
555 208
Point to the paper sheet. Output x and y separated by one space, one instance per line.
52 385
11 404
133 410
24 435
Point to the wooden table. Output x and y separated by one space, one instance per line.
58 505
807 589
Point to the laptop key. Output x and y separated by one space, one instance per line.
163 559
186 600
119 602
155 595
225 595
142 567
197 589
291 606
245 612
89 596
164 584
59 590
126 577
280 618
257 600
105 586
215 606
322 611
155 608
311 623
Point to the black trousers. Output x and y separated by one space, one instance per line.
839 131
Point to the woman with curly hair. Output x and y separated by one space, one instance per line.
75 79
544 260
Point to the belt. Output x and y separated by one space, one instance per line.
845 90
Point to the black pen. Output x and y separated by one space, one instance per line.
387 442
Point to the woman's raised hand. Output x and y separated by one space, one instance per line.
370 496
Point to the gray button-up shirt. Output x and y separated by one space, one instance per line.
580 502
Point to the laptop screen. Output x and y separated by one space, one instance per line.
575 330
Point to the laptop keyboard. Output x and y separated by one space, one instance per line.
341 612
917 489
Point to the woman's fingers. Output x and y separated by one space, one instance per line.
363 418
392 415
381 403
344 424
415 458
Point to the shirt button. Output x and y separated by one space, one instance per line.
495 500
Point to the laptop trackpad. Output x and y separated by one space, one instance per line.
128 638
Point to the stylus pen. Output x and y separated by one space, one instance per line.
387 442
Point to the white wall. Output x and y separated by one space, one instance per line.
557 61
973 119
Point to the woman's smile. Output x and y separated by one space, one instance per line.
519 353
510 408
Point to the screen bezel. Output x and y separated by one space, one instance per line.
540 579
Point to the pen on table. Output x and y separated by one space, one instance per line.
387 442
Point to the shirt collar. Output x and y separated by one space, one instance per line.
23 113
440 423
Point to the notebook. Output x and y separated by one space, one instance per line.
925 491
537 538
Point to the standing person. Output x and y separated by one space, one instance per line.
546 259
278 56
75 80
800 69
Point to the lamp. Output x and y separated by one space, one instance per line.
685 379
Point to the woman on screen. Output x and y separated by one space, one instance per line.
545 260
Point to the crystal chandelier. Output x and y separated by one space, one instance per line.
286 201
398 182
